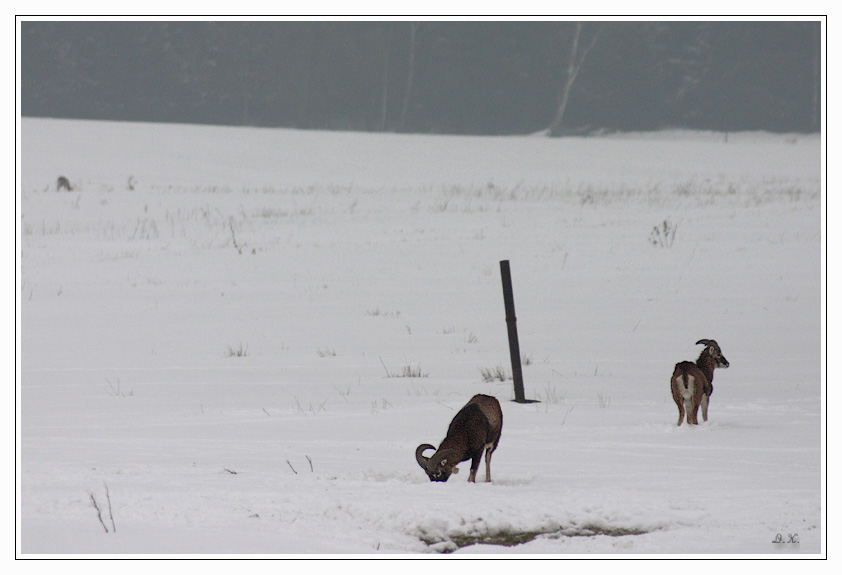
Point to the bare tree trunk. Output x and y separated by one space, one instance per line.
413 27
573 66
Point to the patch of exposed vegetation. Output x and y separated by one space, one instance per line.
512 538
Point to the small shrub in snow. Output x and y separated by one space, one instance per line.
238 352
116 391
409 371
604 400
406 371
552 395
496 374
314 409
663 236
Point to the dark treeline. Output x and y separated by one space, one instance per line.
443 77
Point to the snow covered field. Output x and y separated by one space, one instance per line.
233 340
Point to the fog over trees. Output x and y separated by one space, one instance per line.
488 77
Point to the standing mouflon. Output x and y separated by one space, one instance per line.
692 383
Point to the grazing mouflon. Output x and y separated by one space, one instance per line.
476 428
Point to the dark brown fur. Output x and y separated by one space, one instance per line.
474 429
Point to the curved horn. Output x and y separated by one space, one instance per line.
433 462
419 455
708 342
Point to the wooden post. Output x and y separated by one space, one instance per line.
511 322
